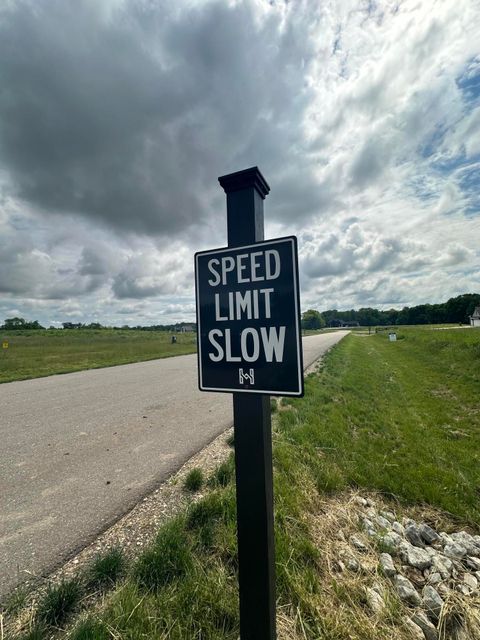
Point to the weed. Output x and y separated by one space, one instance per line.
170 557
15 601
215 506
223 474
231 440
90 629
194 479
206 536
106 569
37 632
59 602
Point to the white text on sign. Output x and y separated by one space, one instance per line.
253 304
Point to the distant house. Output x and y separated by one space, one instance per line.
186 328
336 322
475 318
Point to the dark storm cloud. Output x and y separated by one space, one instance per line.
128 114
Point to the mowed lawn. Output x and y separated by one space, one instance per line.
402 417
32 354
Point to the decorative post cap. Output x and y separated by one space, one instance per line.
243 180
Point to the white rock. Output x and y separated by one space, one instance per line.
388 515
415 631
392 540
370 502
361 501
341 536
412 534
432 602
358 544
455 550
382 522
445 538
428 534
349 560
464 539
434 578
415 557
472 563
443 565
408 521
352 564
429 630
470 581
398 528
443 590
406 590
367 524
387 566
371 512
375 601
463 589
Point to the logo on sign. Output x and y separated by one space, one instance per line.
246 377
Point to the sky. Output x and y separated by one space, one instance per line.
118 116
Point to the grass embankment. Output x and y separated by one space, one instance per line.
402 418
33 354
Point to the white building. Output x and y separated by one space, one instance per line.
475 318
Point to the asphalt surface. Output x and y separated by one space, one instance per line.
79 450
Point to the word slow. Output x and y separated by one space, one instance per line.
254 343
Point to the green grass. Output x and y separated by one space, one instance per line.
194 479
106 569
33 354
59 602
223 474
37 632
168 559
401 417
90 629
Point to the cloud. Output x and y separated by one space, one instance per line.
127 118
117 117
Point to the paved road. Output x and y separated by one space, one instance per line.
79 450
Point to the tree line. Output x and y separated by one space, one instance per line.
19 324
455 310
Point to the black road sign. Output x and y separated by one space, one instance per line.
248 319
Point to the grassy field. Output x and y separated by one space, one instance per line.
401 418
33 354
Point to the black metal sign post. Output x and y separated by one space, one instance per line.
249 343
246 191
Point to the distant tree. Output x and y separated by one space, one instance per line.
14 323
20 323
312 319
